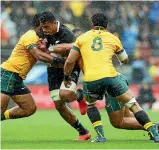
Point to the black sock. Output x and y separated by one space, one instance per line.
142 117
95 118
79 127
79 94
93 114
3 117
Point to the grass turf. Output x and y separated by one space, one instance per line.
47 130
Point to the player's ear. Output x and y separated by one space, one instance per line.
92 26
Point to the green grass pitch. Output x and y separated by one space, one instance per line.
46 130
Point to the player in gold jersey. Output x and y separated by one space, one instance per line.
97 47
15 69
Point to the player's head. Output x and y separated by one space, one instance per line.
100 19
48 23
36 21
77 32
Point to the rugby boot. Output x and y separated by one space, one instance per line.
153 133
99 139
84 137
82 103
157 128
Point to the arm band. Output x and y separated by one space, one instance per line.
58 60
122 56
67 78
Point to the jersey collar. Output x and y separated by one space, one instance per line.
58 26
99 28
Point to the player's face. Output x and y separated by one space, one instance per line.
49 27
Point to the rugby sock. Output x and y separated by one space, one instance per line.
144 120
5 115
95 118
79 127
79 94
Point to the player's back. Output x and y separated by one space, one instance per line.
21 61
97 48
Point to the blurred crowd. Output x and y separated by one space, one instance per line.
135 23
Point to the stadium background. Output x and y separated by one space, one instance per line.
135 23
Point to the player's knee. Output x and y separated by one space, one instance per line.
116 123
67 95
30 111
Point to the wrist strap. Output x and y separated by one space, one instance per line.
67 78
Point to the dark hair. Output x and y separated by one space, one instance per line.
36 20
47 16
100 19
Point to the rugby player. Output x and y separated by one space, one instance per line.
15 69
96 47
57 34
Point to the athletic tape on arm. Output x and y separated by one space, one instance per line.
130 103
122 56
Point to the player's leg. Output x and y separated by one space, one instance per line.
26 106
70 95
67 114
119 89
12 85
120 116
92 111
4 101
55 78
5 90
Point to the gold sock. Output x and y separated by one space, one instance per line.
97 123
6 114
147 125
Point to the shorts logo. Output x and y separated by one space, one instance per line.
108 105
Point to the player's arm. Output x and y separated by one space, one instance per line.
69 65
32 43
66 44
45 57
120 52
122 56
62 49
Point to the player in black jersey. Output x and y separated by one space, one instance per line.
58 34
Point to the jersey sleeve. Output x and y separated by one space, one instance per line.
118 46
29 40
77 45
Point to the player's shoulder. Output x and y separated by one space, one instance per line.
112 36
84 35
29 34
65 29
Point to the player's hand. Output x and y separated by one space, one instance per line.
41 44
67 84
67 81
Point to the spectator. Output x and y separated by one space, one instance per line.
10 27
139 70
154 70
146 96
